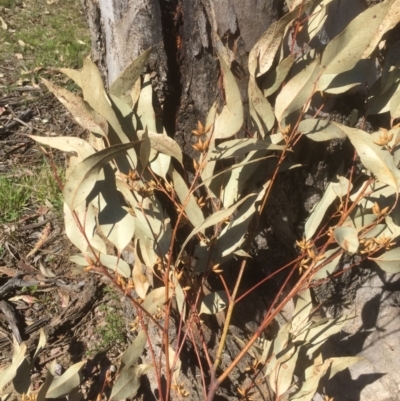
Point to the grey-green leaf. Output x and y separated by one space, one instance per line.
125 81
128 382
214 303
134 351
347 238
389 261
84 176
63 385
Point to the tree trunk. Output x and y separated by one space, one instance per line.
183 63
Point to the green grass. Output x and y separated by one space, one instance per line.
21 192
113 330
53 35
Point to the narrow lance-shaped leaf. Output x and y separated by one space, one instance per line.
261 112
215 218
230 121
214 303
126 80
377 160
115 222
275 78
193 211
263 53
128 381
84 176
44 388
164 144
9 373
84 116
297 93
66 144
389 261
134 351
109 261
359 38
64 384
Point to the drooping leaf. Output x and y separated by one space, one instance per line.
377 160
230 120
358 40
145 148
44 388
261 112
347 238
109 261
341 363
281 377
145 111
214 303
128 382
389 261
262 55
329 267
389 14
164 144
302 311
9 373
75 75
214 219
140 281
66 144
134 351
193 211
41 344
362 72
297 92
86 117
321 130
319 211
275 78
115 222
94 93
63 385
126 80
84 176
87 218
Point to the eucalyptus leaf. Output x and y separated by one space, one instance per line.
192 209
297 92
329 267
214 219
134 351
230 120
66 144
261 112
126 80
128 382
214 303
44 388
86 117
155 300
9 373
389 261
358 40
275 77
347 238
379 161
63 385
84 176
